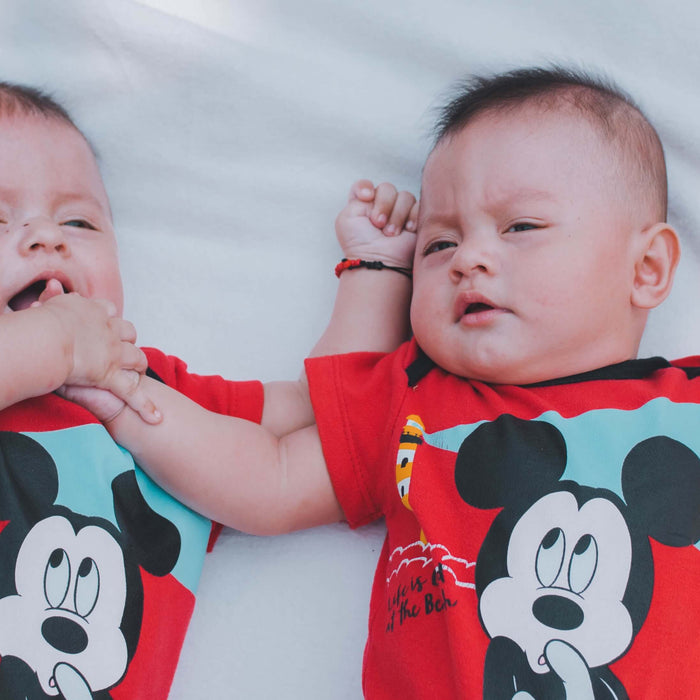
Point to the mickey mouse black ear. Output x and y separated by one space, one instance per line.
153 538
661 485
509 460
28 475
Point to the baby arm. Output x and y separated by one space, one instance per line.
67 339
233 471
272 478
371 306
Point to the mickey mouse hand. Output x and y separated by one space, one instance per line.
71 683
570 666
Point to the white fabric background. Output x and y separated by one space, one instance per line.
229 132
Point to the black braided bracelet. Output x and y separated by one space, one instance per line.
347 264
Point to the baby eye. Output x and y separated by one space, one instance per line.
79 223
437 246
521 226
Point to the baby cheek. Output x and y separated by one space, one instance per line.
552 285
109 285
422 308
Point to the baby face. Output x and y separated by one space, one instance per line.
524 264
55 219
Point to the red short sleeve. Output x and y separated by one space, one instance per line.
240 399
356 400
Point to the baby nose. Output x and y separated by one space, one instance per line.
42 233
473 256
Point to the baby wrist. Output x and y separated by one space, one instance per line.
355 263
394 255
62 341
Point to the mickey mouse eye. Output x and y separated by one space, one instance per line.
87 587
550 557
584 562
57 578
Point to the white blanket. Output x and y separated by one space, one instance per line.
229 133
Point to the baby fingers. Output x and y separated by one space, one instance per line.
392 210
107 305
132 357
384 201
403 215
125 329
127 385
362 190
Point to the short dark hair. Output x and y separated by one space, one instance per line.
597 99
23 99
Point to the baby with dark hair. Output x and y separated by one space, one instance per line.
98 566
607 107
540 483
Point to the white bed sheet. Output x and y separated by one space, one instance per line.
229 132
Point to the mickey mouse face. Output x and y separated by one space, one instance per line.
568 568
71 592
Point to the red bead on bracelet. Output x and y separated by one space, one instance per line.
346 264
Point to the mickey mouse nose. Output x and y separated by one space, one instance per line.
557 612
64 634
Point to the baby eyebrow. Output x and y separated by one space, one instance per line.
8 195
494 201
88 203
523 193
76 198
435 219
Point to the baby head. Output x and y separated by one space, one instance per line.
55 217
542 241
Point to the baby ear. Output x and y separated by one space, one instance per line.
655 266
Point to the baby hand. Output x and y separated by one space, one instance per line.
378 223
103 404
102 354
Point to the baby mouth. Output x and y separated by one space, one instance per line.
24 299
477 307
478 314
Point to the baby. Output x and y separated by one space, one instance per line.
98 566
540 485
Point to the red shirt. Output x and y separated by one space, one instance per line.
538 537
99 566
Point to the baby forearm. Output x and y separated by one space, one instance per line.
233 471
370 313
35 360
